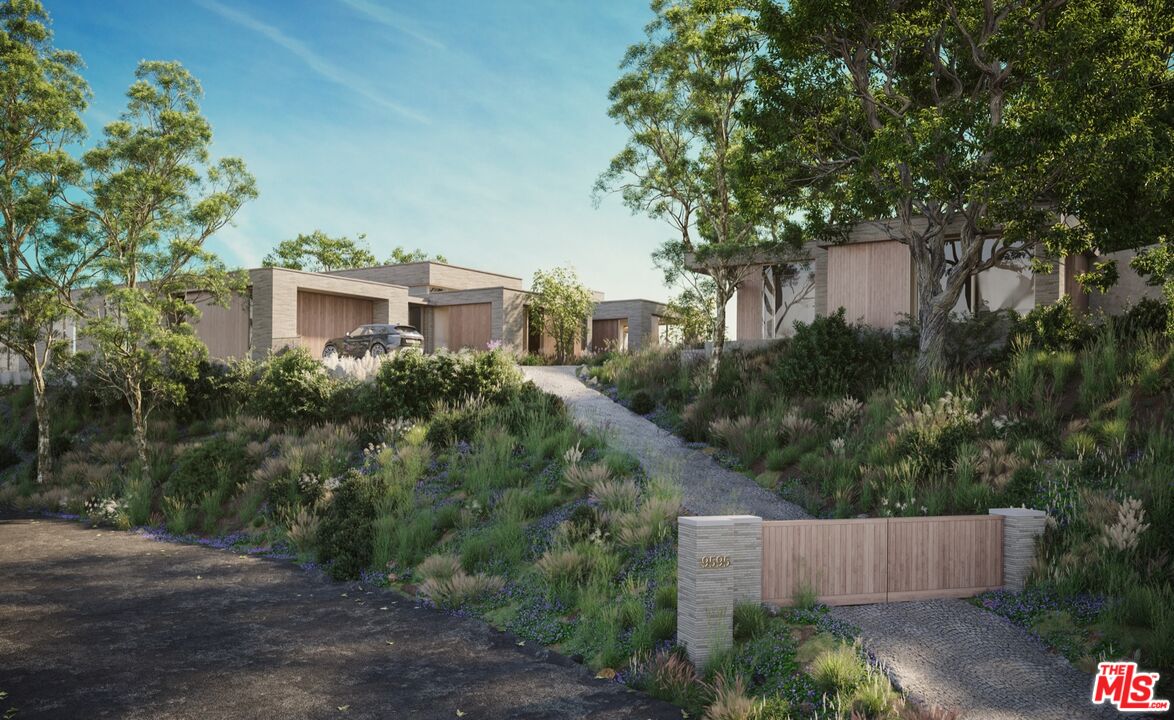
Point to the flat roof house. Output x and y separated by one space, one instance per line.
872 276
454 307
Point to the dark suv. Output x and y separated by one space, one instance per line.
374 339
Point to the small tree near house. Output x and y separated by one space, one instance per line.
680 98
562 306
155 199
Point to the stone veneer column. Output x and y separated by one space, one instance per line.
1021 527
707 587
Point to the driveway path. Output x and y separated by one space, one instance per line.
960 656
945 652
707 488
100 624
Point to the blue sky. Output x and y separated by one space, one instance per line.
471 129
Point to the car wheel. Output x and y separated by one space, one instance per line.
377 350
330 352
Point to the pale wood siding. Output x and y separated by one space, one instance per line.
849 562
944 556
225 330
844 561
871 281
749 306
470 326
322 317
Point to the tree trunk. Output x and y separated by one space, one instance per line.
931 347
139 423
41 404
719 332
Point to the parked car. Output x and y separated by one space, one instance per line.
374 339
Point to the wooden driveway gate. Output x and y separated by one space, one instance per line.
852 562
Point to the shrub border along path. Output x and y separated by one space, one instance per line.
946 652
99 623
707 488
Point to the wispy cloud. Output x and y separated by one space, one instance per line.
312 60
386 17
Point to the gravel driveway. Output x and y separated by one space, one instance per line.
707 488
945 652
960 656
101 624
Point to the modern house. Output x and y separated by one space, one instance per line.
455 307
871 276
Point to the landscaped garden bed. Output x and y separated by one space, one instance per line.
447 479
1058 413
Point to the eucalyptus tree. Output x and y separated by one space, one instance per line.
680 98
42 96
155 198
978 130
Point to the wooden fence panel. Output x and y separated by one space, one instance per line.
844 561
937 557
850 562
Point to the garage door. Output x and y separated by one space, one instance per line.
322 316
469 326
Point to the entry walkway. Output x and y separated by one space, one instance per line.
945 652
707 488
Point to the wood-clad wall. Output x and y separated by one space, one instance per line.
848 562
871 281
604 332
225 330
322 317
470 326
749 307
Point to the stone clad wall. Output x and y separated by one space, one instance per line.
719 564
1021 527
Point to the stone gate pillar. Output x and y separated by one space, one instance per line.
1021 527
719 564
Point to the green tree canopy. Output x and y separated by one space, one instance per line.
42 96
319 252
562 306
680 97
975 129
155 197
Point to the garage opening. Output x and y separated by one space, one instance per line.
322 317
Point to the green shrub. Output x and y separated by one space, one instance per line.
1054 327
216 465
750 620
345 536
831 358
415 537
409 383
838 670
663 625
1146 316
449 424
294 387
641 402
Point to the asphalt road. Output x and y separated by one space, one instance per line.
103 624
